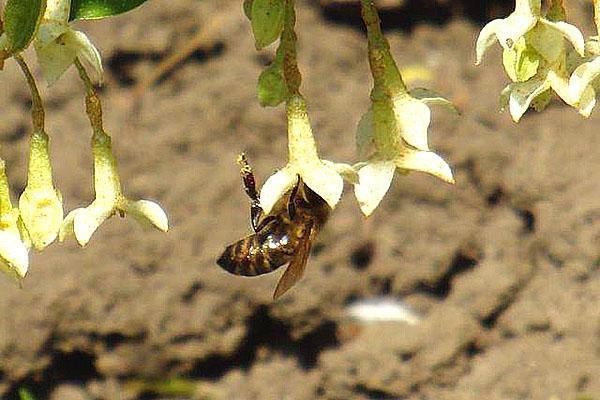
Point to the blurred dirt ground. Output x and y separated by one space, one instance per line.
504 267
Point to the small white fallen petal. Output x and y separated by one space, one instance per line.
382 310
425 161
375 178
276 186
148 212
413 118
14 257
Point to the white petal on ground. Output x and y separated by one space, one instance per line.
375 179
382 310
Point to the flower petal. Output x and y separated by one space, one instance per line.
346 171
519 95
486 39
514 27
86 53
569 32
54 59
276 186
364 135
375 180
413 118
42 214
83 222
324 181
425 161
148 213
430 97
14 258
583 76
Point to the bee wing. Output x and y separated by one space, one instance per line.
295 270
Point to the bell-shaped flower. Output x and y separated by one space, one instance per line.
14 244
536 92
323 177
83 222
40 203
393 135
527 15
57 44
583 82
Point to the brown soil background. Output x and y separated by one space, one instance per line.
504 266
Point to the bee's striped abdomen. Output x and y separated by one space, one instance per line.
257 254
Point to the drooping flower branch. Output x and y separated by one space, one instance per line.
83 222
393 133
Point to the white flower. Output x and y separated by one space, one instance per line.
527 15
322 176
83 222
40 203
396 132
14 246
57 44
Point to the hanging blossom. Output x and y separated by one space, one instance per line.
57 44
40 204
535 57
14 242
322 176
83 222
392 135
583 79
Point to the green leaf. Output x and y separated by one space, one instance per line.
24 394
96 9
21 19
521 63
267 21
248 9
271 87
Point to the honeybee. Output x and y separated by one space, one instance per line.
285 235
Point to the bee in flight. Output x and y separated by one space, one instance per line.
285 235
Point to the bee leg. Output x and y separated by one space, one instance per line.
256 211
291 206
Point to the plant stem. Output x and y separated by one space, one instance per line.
37 107
93 106
597 15
291 72
383 67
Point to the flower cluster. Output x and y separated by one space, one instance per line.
543 54
38 219
391 136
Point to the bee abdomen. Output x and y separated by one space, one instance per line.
246 257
